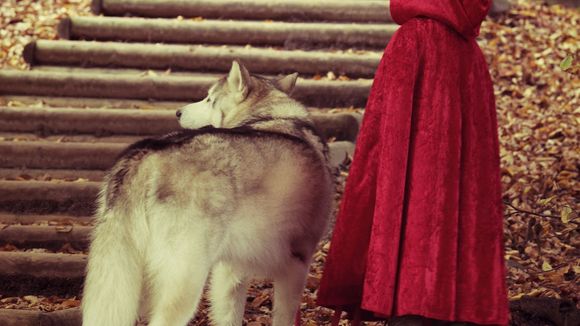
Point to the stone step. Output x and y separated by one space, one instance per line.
149 85
257 33
199 58
289 10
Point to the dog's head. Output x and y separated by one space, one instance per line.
236 98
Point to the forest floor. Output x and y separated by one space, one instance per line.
538 103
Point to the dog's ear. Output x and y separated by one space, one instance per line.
286 84
239 79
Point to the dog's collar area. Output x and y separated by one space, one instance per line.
178 138
297 123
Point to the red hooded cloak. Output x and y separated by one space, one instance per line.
420 226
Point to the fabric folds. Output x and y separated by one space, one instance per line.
419 230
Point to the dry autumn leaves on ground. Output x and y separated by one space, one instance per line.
533 55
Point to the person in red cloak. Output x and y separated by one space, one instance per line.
419 231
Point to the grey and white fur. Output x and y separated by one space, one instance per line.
245 192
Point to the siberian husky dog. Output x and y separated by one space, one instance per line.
245 193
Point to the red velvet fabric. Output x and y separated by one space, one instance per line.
420 226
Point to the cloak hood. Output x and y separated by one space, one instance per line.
465 16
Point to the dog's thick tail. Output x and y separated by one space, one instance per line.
114 276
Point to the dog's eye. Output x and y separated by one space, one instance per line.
208 100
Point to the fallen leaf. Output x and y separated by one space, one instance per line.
566 63
565 214
546 266
63 228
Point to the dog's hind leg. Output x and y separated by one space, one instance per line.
177 273
288 289
227 294
177 290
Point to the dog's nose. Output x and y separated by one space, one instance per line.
178 114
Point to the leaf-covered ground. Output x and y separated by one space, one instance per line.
539 116
22 21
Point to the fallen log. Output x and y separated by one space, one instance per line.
545 310
42 265
99 122
41 273
19 198
289 35
51 155
20 101
569 3
38 190
43 135
339 126
27 219
42 236
84 102
63 156
90 83
44 197
51 174
105 122
130 84
198 58
14 317
338 152
292 10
